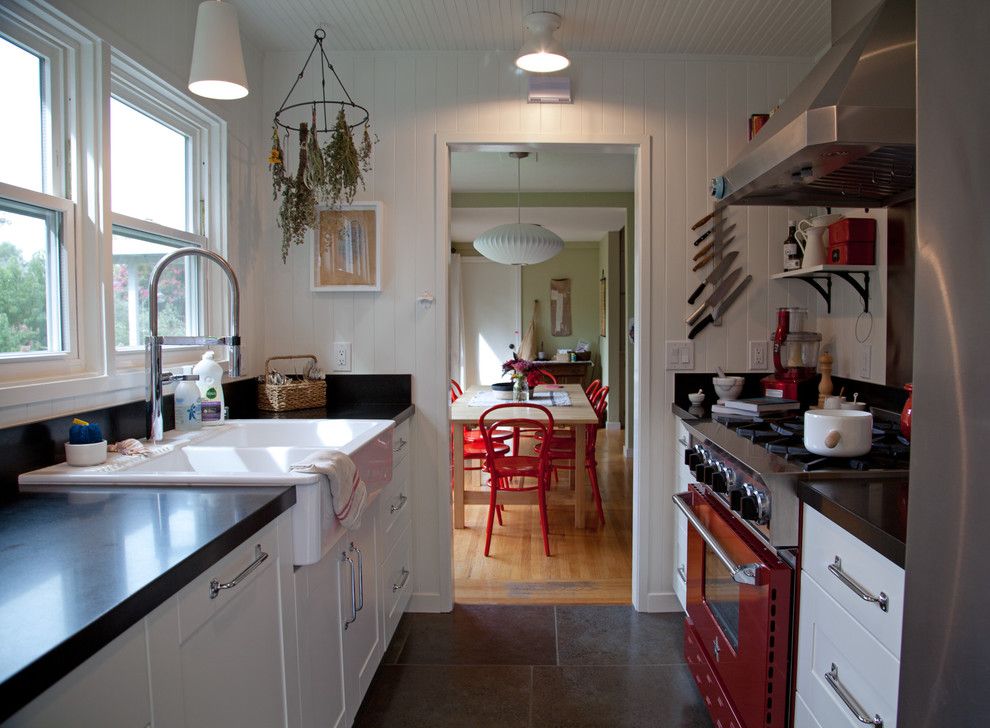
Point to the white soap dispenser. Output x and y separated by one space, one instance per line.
210 390
187 403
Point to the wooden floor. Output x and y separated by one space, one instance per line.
589 566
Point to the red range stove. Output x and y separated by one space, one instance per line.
743 516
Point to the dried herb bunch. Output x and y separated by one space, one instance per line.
329 176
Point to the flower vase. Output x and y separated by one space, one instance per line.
520 389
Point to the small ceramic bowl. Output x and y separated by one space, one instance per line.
853 406
728 387
93 453
696 397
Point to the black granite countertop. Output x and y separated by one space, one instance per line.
874 511
78 569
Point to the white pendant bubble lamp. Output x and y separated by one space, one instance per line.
217 62
518 243
542 53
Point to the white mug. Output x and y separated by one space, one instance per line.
834 402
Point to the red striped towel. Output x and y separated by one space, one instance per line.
346 494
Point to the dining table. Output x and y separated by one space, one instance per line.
466 411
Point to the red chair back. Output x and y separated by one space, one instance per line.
455 390
592 389
550 378
543 426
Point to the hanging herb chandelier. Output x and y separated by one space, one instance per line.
329 175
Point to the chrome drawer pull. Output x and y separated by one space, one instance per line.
402 502
354 610
836 568
832 678
402 581
741 573
216 586
683 441
360 568
681 573
402 444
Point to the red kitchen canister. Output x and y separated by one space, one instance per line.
906 414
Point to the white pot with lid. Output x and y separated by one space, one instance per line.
838 433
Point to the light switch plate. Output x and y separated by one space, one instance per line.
758 356
680 355
341 356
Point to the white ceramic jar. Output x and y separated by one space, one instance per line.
838 433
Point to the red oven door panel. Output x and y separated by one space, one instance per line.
743 628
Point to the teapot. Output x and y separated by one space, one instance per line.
810 235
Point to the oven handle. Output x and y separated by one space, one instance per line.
741 574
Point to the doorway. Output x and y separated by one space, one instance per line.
592 565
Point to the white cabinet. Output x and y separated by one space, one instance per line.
109 689
217 649
682 479
360 610
848 653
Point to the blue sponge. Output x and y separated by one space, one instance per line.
83 433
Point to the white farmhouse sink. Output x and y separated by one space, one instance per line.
245 453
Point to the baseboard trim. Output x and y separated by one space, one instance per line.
613 425
627 452
662 602
428 602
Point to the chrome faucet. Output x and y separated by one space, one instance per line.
154 343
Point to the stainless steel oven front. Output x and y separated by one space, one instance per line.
737 636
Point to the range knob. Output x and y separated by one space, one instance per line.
691 458
749 508
717 482
735 496
702 473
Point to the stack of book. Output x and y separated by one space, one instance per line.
755 406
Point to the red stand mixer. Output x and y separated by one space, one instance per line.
795 355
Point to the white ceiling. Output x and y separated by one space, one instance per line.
570 223
718 27
542 172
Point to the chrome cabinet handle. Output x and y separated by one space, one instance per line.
741 573
836 568
683 441
402 502
402 581
402 444
360 568
354 611
216 585
832 678
682 573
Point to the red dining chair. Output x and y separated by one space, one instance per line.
562 450
592 389
550 378
509 473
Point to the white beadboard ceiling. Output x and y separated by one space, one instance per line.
542 172
718 27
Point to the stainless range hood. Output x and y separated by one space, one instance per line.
845 137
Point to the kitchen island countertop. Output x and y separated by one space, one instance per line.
79 568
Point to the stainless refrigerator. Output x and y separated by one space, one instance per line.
945 660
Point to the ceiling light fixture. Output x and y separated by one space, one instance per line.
217 70
542 53
518 243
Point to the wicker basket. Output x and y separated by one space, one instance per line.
297 393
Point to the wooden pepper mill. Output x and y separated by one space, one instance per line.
825 385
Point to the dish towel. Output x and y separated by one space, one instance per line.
346 494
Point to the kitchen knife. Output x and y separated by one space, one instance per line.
703 220
711 244
720 308
704 235
715 276
723 288
701 264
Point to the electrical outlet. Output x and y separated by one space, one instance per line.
680 355
757 356
341 356
865 355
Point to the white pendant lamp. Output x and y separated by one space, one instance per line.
518 243
217 63
542 53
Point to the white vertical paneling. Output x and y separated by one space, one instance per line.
633 90
363 331
385 189
736 321
612 96
589 93
402 238
509 89
467 93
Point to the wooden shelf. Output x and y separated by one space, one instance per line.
817 274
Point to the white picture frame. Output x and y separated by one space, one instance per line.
345 254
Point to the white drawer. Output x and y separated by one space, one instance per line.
395 508
829 636
397 583
822 542
680 558
802 714
401 442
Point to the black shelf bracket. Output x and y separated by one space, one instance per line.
863 289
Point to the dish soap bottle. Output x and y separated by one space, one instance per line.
187 403
210 390
793 256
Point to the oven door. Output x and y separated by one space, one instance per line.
738 600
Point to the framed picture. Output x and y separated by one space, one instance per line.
347 246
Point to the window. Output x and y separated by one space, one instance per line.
25 157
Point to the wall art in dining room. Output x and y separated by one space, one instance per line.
560 306
347 248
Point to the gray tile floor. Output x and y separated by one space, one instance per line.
508 666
